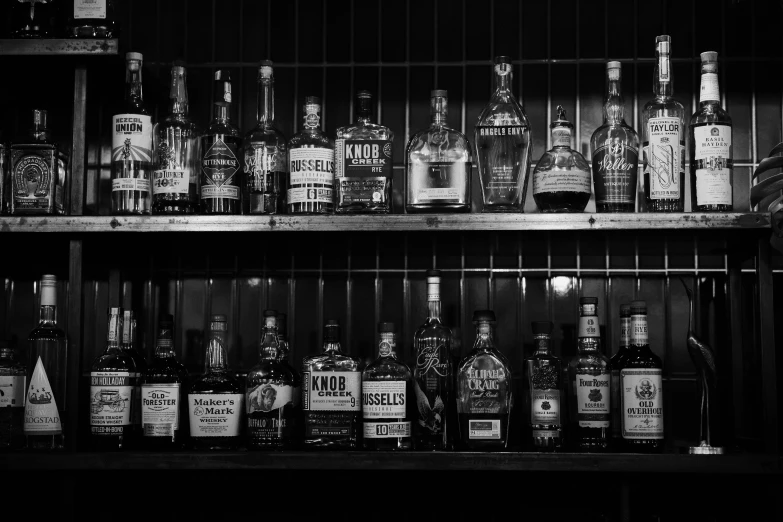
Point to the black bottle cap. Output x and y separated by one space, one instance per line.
386 328
542 327
270 313
433 273
638 307
588 300
483 315
625 310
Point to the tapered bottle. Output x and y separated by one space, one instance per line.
545 392
310 165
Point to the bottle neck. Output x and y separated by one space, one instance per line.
614 105
48 315
266 102
133 92
662 77
542 344
216 359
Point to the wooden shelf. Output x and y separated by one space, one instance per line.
58 46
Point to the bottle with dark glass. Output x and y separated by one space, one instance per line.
615 364
33 18
13 377
544 392
310 165
90 19
283 357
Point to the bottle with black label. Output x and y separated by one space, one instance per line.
545 392
310 165
615 363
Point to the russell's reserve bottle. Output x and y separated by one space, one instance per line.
310 165
545 393
13 376
615 364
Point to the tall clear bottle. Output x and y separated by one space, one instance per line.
544 392
177 151
265 153
131 147
13 377
310 165
503 145
615 364
615 149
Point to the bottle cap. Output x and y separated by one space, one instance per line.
440 93
625 310
588 300
613 70
542 327
638 307
134 56
480 316
386 328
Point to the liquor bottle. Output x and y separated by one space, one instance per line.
36 171
590 379
112 386
220 168
641 389
387 397
615 147
215 398
32 19
177 150
311 165
131 146
162 388
561 181
484 390
331 398
265 153
503 145
284 351
90 19
545 392
710 145
12 384
615 363
45 406
663 124
269 399
363 163
437 164
433 373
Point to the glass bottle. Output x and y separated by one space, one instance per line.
215 400
269 399
331 398
641 389
265 153
220 144
32 18
177 151
710 145
561 180
503 145
311 165
484 390
363 163
545 393
13 376
615 363
90 19
437 164
590 380
284 351
663 125
615 149
45 406
387 397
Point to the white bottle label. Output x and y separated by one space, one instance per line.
41 416
710 91
170 181
713 182
641 391
639 334
160 409
386 430
111 398
383 399
131 138
130 184
215 414
484 429
311 165
664 155
12 391
593 400
89 9
545 407
332 391
561 180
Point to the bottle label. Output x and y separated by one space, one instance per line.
332 391
642 408
710 90
453 175
588 326
713 152
561 137
32 175
593 400
12 391
215 414
639 335
483 388
484 429
160 409
384 399
665 157
219 166
89 9
130 184
570 180
615 170
311 166
386 430
625 331
269 408
544 407
132 138
170 181
111 397
41 416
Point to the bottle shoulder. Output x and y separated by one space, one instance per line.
310 140
370 131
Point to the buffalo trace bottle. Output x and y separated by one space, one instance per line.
544 392
310 165
215 398
387 397
615 363
484 390
283 353
641 389
590 379
12 384
131 146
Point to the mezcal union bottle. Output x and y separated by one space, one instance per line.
545 392
503 145
311 165
131 146
615 364
12 384
437 164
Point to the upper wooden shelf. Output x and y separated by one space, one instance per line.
58 46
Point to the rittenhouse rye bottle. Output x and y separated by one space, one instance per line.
561 181
215 400
437 164
503 145
615 148
387 397
710 145
641 389
131 146
90 18
590 380
310 165
545 393
484 394
663 125
331 398
363 163
615 364
13 377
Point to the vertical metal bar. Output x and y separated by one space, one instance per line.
74 356
79 148
766 315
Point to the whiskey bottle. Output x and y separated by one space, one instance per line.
387 397
131 146
710 145
545 392
641 389
283 354
215 400
363 163
331 397
590 378
437 164
90 19
45 406
220 168
265 153
484 390
177 151
615 149
12 382
561 181
615 364
311 165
